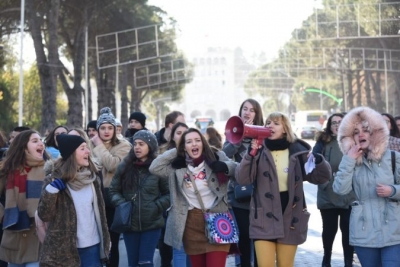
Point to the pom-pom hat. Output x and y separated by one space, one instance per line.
106 116
67 144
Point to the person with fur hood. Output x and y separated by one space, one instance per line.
366 169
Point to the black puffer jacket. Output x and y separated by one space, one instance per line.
152 198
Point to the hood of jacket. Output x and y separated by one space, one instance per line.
379 132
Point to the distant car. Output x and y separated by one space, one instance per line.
306 132
203 122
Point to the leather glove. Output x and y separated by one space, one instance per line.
318 158
178 163
219 166
59 184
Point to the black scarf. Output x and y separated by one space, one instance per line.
278 144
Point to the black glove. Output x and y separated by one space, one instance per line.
219 166
59 184
318 158
178 163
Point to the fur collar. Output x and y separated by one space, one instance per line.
378 128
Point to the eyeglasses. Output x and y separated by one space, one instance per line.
336 123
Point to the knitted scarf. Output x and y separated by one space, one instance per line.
278 144
24 187
83 177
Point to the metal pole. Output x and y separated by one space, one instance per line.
21 65
386 86
86 75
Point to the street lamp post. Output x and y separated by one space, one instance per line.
21 64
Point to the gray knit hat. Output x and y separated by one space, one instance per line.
106 116
148 137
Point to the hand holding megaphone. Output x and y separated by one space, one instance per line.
236 130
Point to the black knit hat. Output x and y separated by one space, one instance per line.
67 144
92 124
147 137
106 116
139 116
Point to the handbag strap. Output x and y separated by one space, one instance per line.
139 186
196 191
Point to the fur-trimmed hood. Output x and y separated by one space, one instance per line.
378 130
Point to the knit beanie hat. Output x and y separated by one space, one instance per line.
67 144
91 124
106 116
147 137
139 116
118 122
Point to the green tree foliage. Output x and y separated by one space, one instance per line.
59 26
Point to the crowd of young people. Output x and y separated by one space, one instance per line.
74 181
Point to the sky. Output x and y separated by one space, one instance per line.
253 25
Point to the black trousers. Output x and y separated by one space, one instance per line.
330 219
164 249
243 222
114 253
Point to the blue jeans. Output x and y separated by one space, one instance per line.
90 256
180 259
384 257
29 264
140 247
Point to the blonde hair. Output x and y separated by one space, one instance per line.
287 127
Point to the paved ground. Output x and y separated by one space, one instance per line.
308 254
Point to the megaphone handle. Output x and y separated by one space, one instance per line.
253 152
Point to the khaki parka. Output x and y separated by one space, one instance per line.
59 246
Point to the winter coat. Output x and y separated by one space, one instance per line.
326 198
177 215
266 219
110 158
235 152
59 247
152 198
160 137
374 220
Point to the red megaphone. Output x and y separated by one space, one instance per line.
236 130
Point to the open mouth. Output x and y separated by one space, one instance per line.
195 151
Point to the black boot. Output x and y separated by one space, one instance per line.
348 263
326 261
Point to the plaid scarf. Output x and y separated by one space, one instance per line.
23 191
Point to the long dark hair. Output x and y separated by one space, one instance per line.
258 118
326 134
171 143
15 158
51 138
395 130
207 153
214 138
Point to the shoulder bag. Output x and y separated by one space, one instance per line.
220 227
123 213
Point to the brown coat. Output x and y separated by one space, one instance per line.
266 219
59 246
